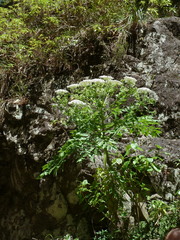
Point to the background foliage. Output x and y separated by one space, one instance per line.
47 37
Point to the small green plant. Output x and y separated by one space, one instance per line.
163 217
65 237
68 237
103 235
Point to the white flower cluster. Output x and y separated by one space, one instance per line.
76 102
114 82
130 81
148 92
75 85
61 91
104 79
101 80
111 80
91 81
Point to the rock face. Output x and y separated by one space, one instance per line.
31 208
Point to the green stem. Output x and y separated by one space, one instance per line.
106 158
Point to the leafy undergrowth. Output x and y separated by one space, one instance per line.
46 38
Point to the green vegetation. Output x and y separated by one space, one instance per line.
41 39
102 112
44 38
66 237
163 217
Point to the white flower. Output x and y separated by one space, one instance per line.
114 82
61 91
104 77
76 102
75 85
130 80
54 105
91 81
97 80
85 82
149 92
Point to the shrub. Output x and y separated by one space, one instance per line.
102 112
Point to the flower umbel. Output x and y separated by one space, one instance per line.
61 91
104 77
73 86
148 92
91 81
130 81
76 102
114 82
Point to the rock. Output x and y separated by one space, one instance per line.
156 65
72 198
58 209
169 197
82 229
